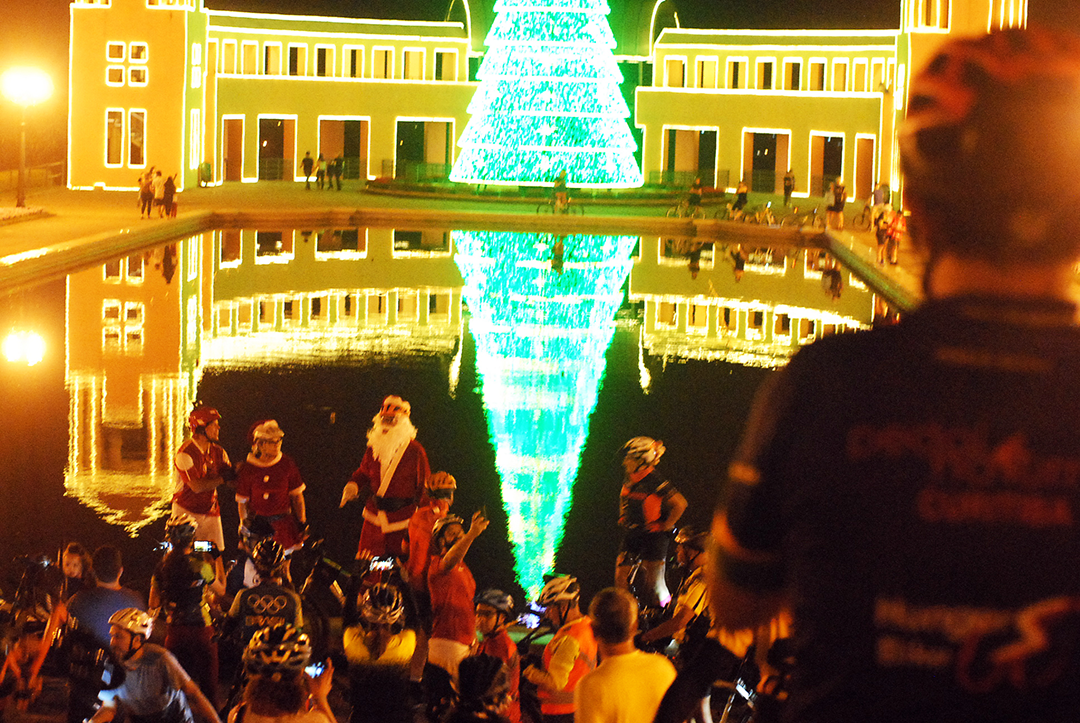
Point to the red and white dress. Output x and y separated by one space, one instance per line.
267 487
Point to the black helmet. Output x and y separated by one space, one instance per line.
689 537
440 527
277 650
180 529
498 600
267 556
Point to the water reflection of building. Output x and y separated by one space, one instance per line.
130 376
777 304
542 316
330 293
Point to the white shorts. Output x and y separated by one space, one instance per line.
208 527
447 654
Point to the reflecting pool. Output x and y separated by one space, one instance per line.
528 359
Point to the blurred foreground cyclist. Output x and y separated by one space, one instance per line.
278 688
921 514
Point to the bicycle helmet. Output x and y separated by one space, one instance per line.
135 621
277 650
253 529
497 599
689 537
382 605
557 589
990 135
645 450
440 485
202 417
180 529
268 555
441 526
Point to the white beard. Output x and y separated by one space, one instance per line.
385 440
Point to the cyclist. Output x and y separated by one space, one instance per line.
910 516
741 196
203 465
155 689
693 200
270 603
649 507
690 620
452 590
570 654
494 613
178 586
379 649
561 199
277 689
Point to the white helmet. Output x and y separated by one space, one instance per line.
646 450
135 621
563 587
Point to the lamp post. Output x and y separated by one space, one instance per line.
24 87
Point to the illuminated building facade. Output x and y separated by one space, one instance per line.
172 84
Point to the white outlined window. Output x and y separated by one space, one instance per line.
446 65
196 136
196 65
766 72
858 75
382 63
817 74
706 72
114 75
116 52
738 73
196 53
138 76
792 74
272 59
228 57
413 64
137 138
114 137
674 72
297 59
324 60
877 74
352 61
139 52
839 75
249 64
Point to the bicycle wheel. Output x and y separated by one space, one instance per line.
861 222
789 221
698 212
673 212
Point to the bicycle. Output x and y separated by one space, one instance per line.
728 212
803 219
862 220
684 210
553 207
762 215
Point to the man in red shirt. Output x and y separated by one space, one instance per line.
203 465
391 475
494 612
452 589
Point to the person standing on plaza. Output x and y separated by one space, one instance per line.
178 586
320 172
628 685
158 184
834 213
570 654
169 196
649 508
494 614
156 687
268 485
391 475
742 192
146 194
203 465
789 187
337 169
923 523
308 165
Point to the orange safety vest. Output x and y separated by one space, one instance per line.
562 701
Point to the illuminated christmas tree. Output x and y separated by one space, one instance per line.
549 100
541 329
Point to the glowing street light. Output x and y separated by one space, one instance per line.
25 87
24 347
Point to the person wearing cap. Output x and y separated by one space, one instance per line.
649 508
453 589
202 465
570 654
269 485
434 505
494 613
155 688
911 492
391 476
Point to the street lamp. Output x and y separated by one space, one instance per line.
25 87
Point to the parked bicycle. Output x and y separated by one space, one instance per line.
803 219
862 220
553 206
683 209
762 215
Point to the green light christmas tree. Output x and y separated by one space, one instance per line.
549 101
541 333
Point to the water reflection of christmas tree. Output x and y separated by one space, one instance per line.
541 336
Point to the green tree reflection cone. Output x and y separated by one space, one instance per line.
541 336
549 100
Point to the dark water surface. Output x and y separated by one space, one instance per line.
524 379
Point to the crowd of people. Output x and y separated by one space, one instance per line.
157 190
900 548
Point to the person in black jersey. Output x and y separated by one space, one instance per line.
912 492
